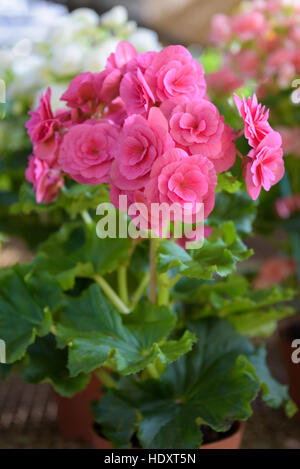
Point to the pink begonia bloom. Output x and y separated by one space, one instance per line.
248 62
115 112
125 52
224 80
255 118
46 181
175 74
248 25
196 124
136 93
87 152
220 29
141 142
290 140
264 166
286 206
43 129
274 271
223 153
177 177
84 92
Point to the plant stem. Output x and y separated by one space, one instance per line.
107 379
163 289
86 217
140 290
152 289
111 294
122 283
153 371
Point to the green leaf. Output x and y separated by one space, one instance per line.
96 332
219 253
240 207
119 420
214 384
273 393
79 253
211 60
25 306
73 199
45 362
228 183
252 312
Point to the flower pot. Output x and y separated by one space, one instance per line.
74 417
232 441
288 333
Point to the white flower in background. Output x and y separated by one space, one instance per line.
144 39
68 60
115 17
28 74
96 58
85 16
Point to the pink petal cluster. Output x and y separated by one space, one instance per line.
264 166
146 127
44 129
261 41
46 181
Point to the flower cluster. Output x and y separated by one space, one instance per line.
264 166
262 41
145 126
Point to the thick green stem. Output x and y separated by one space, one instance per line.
152 289
106 379
111 295
122 283
86 217
140 290
153 371
163 289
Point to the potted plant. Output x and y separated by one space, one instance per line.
149 303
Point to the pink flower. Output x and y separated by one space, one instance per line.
274 271
224 80
84 92
43 129
125 52
177 177
174 74
196 124
264 165
222 154
248 25
136 93
255 118
46 181
248 62
87 152
220 29
142 141
286 206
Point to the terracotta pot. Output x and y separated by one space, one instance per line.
74 417
289 332
231 442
